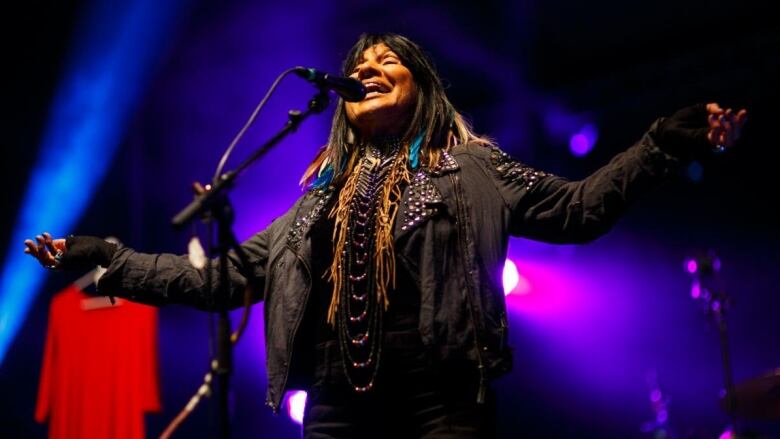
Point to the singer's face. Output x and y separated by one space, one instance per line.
390 93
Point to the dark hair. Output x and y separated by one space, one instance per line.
434 119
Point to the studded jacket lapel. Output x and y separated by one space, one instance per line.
423 199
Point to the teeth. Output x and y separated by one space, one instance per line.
374 87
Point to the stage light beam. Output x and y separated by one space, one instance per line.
113 52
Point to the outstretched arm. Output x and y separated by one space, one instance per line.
552 209
159 279
155 279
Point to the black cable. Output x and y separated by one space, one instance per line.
248 123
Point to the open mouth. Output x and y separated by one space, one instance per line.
375 87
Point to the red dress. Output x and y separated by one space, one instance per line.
99 371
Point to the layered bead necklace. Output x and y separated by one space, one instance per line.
359 306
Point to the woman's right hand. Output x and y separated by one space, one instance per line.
46 250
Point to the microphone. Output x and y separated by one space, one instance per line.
351 90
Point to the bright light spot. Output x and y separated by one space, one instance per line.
510 277
514 282
655 395
295 405
691 266
696 290
579 145
582 142
728 434
523 286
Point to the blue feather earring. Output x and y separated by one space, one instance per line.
414 150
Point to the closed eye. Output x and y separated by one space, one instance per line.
390 58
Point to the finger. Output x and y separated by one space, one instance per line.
729 126
60 244
29 243
741 117
41 243
713 107
713 135
728 115
31 248
38 252
726 122
713 121
729 138
49 243
44 256
739 122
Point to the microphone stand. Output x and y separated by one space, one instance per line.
214 204
718 304
715 303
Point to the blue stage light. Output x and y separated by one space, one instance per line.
106 71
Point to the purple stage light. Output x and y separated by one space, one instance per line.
696 290
716 306
582 142
295 405
691 266
655 395
562 124
715 263
554 303
703 265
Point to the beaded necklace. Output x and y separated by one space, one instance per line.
359 306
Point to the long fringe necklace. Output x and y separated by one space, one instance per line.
364 261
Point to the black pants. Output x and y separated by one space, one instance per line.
411 398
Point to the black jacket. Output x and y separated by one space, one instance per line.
451 234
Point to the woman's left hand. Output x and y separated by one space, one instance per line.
725 126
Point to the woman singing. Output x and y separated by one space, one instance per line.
381 284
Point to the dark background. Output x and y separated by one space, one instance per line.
597 318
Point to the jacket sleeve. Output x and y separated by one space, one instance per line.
548 208
160 279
